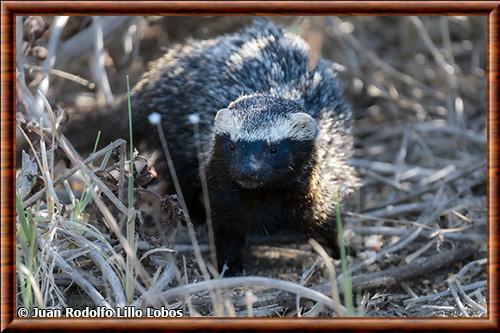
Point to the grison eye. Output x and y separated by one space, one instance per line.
231 146
273 149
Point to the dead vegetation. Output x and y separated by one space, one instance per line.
96 230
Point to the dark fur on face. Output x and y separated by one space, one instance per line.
261 164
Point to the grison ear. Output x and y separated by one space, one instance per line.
221 114
305 126
223 121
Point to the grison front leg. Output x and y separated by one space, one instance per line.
230 243
326 234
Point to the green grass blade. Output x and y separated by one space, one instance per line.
129 285
346 278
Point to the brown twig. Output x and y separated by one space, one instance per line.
415 269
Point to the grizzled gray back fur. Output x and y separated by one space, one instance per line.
202 77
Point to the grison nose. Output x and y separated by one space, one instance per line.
249 169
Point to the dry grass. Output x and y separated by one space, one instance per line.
91 231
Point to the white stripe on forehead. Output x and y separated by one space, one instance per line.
295 126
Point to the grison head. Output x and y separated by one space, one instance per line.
264 141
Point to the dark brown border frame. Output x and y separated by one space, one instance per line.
9 9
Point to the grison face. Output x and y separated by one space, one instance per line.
264 141
262 164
